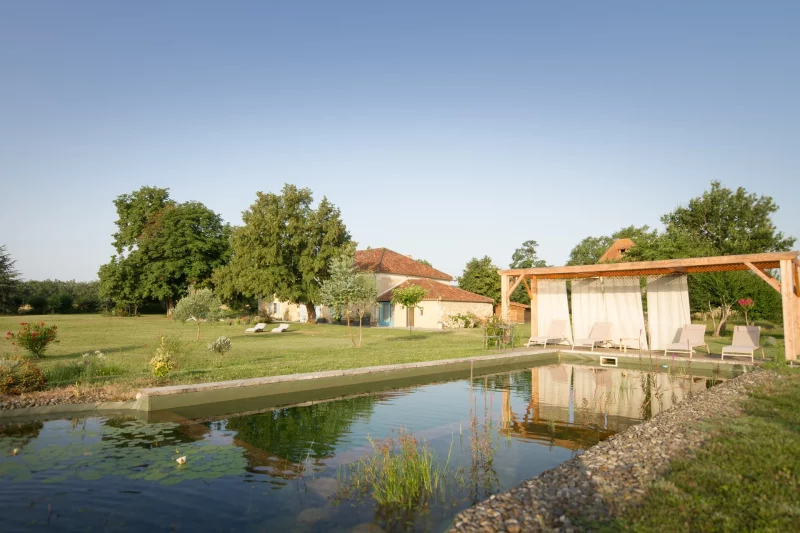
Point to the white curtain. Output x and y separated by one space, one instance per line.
552 304
623 301
667 309
587 306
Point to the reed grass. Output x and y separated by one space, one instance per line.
401 471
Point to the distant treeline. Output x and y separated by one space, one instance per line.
56 296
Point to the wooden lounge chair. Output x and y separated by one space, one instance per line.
600 334
692 336
556 333
258 328
746 340
280 329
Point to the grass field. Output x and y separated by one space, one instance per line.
129 343
746 478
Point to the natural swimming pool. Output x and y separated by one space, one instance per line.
291 468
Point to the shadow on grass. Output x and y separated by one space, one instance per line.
107 351
409 338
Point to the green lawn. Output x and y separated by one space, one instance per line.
747 478
130 342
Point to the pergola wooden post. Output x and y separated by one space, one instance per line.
759 264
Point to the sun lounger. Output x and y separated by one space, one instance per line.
556 333
280 329
692 336
600 334
746 340
257 328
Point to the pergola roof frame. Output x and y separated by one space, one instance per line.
788 286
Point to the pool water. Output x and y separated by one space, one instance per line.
286 469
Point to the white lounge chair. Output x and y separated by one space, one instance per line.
692 336
600 333
280 329
746 340
556 333
257 328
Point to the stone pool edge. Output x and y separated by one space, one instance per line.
195 395
613 474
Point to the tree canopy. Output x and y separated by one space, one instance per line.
720 222
480 276
197 306
525 256
284 248
409 297
347 289
9 282
163 247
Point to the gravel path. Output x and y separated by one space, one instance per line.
611 475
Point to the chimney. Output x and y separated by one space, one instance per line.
409 256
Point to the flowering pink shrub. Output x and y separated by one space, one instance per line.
746 304
34 337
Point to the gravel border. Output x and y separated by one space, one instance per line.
611 475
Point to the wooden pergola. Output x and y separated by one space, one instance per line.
788 286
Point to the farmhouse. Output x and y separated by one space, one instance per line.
392 270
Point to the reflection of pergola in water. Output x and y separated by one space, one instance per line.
788 286
547 417
531 425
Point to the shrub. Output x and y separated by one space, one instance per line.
34 337
468 320
19 375
91 365
163 362
220 346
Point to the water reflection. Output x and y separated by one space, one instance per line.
501 428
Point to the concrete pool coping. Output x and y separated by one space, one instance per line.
227 397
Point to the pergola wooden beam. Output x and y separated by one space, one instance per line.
788 287
697 264
761 273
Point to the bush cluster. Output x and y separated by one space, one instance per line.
163 362
220 346
33 337
18 375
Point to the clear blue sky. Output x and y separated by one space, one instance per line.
445 130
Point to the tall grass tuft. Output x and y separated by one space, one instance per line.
401 471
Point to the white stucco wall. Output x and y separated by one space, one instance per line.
483 310
426 315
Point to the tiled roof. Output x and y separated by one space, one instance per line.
616 250
386 261
435 290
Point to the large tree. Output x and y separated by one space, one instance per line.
480 276
525 257
163 248
9 282
284 248
719 222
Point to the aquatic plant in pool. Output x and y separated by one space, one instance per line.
400 471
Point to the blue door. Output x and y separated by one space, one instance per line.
385 318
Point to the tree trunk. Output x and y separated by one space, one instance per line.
349 329
360 335
198 329
711 312
725 312
311 313
170 307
